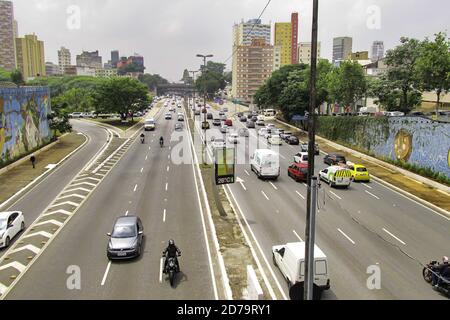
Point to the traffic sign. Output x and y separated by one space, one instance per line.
225 171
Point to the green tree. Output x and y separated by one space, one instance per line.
152 80
187 79
210 82
121 95
17 77
130 67
5 75
433 66
401 62
59 122
215 67
76 99
347 84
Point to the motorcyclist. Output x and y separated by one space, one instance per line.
171 251
142 137
161 141
441 271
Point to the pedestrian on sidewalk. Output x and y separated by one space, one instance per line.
33 161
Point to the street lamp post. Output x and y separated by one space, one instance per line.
193 98
204 57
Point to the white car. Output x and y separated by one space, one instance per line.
76 115
336 176
301 157
290 259
233 138
168 116
11 224
150 124
262 132
218 143
275 140
266 164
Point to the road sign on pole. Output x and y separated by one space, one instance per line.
225 165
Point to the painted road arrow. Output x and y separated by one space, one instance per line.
239 180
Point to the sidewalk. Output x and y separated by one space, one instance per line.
386 173
20 176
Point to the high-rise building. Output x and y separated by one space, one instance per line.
245 32
276 58
294 39
342 47
114 58
64 59
283 38
89 59
377 50
7 36
253 66
30 56
52 69
304 52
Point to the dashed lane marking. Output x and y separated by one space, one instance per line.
334 194
296 234
372 195
395 237
346 236
265 195
300 195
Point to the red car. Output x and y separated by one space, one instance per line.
229 123
298 171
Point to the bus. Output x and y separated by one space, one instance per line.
270 113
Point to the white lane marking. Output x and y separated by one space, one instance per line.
16 265
334 194
40 233
161 269
146 157
348 238
164 215
265 195
167 186
300 195
55 222
367 186
70 203
296 234
274 186
246 172
149 148
142 170
67 213
168 157
135 188
73 195
395 237
372 195
106 273
168 168
126 213
306 186
29 247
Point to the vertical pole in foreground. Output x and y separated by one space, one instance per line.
312 180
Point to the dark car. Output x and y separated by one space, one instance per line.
240 115
197 112
298 172
334 159
254 119
204 110
251 125
126 238
249 116
285 135
292 140
217 122
209 116
243 119
205 125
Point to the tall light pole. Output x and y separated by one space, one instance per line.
193 83
204 57
312 180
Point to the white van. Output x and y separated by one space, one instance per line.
266 164
336 176
150 124
290 259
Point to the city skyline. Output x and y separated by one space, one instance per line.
98 31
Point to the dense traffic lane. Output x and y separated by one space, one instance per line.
402 276
137 186
40 196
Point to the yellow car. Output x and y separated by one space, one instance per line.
359 173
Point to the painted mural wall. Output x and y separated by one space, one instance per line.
23 121
414 140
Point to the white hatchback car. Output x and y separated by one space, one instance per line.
11 224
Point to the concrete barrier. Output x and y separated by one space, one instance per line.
254 290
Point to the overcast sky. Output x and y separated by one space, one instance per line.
169 33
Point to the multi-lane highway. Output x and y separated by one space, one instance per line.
147 183
367 225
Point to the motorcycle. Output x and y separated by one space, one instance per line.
427 274
172 270
161 143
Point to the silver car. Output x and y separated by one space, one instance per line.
126 238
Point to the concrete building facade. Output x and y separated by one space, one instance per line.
52 69
283 38
304 52
89 59
245 32
64 59
377 50
105 73
30 56
7 36
342 48
254 65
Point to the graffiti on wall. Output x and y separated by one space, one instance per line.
23 121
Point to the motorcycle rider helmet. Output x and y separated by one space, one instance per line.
171 242
445 259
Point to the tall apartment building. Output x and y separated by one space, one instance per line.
377 51
89 59
114 58
64 59
304 52
245 32
276 58
342 48
253 66
30 56
7 36
52 69
286 36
